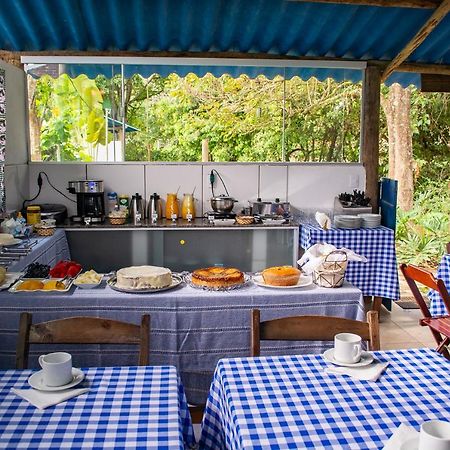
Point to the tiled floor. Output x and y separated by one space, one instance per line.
400 328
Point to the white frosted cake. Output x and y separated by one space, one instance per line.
143 277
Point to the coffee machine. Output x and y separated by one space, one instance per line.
90 201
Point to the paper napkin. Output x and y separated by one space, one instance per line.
400 436
44 399
372 372
323 220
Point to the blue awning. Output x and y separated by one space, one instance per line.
253 27
114 124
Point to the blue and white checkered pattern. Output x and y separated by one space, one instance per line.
437 307
126 407
378 276
290 402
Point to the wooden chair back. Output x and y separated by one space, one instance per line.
448 248
414 275
82 330
311 328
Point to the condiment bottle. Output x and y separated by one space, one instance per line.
172 207
112 202
33 214
188 207
124 203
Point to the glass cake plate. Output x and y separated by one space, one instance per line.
188 281
176 281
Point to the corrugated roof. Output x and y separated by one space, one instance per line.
273 27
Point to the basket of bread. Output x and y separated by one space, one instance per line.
117 217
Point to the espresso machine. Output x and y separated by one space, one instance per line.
90 201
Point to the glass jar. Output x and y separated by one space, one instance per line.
188 207
33 214
172 207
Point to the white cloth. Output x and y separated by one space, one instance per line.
371 372
400 436
44 399
323 220
314 257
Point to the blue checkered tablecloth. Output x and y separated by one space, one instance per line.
378 276
126 407
289 402
437 307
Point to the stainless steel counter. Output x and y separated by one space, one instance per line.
183 245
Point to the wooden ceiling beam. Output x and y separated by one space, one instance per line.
420 36
429 4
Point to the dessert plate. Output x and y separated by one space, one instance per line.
366 359
302 282
12 243
176 280
36 381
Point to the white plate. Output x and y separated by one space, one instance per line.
176 280
410 444
11 277
274 221
302 282
12 243
36 381
87 285
366 359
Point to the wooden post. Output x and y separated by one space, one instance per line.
205 150
370 127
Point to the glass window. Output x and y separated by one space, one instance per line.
108 117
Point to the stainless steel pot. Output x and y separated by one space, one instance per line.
222 203
260 208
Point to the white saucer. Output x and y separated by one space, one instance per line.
36 381
303 281
411 443
366 359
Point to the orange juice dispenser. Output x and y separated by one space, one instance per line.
188 207
172 211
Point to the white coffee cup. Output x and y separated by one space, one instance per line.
57 368
347 348
434 435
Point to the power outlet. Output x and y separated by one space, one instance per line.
353 182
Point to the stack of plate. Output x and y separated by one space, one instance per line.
370 220
343 221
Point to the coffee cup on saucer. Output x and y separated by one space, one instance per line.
347 348
434 435
56 368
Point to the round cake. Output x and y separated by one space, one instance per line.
217 277
281 276
143 277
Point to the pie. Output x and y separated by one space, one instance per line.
217 277
281 276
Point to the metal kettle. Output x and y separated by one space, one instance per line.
137 209
154 207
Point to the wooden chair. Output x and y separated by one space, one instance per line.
439 326
448 248
81 330
312 328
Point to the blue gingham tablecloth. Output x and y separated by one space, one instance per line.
48 250
437 307
290 402
126 407
378 276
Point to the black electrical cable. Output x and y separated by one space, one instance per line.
212 182
39 182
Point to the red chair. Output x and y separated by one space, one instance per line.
439 326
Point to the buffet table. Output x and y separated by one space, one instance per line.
377 277
48 250
126 407
190 328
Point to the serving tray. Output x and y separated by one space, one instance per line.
176 280
67 282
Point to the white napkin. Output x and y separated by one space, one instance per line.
44 399
400 436
366 373
323 220
314 257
